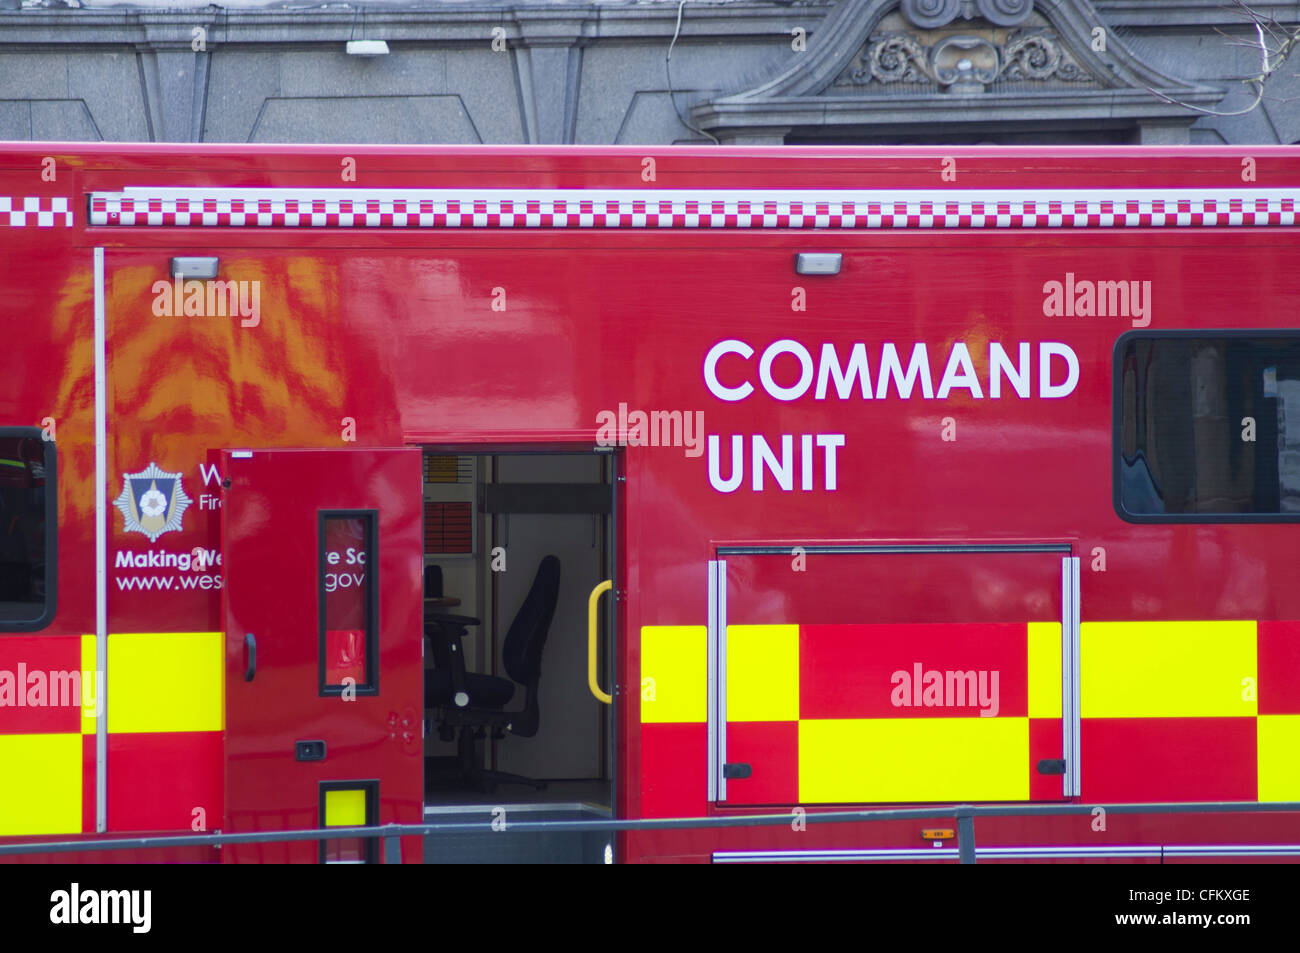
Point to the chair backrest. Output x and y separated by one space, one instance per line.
521 653
432 582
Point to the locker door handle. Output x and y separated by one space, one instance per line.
591 641
250 654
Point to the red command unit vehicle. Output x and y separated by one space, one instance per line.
919 477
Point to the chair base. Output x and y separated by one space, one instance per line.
470 771
490 780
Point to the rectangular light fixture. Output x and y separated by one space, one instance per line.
367 47
195 267
818 263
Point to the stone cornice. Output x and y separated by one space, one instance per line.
1164 14
443 24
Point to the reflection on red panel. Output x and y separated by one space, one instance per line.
1044 744
894 588
1279 668
1169 759
164 781
673 762
771 749
345 551
40 684
345 656
912 671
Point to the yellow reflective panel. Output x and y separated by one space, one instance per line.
1044 670
165 681
92 686
345 808
1278 765
762 672
913 759
40 784
674 673
1167 669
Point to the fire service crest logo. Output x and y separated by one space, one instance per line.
152 501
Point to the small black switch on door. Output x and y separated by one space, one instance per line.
309 750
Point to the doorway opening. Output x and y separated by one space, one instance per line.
515 543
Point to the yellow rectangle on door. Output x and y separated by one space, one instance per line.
345 808
1044 670
1278 740
762 672
913 759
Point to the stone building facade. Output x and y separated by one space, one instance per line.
748 71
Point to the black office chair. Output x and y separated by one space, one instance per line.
432 581
474 704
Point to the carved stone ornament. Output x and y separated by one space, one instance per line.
963 63
931 14
968 60
1016 61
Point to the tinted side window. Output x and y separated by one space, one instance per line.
1208 426
28 525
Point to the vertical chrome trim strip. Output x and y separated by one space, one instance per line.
1074 767
1067 679
711 710
101 550
1070 679
722 678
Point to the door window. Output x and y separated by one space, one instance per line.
348 608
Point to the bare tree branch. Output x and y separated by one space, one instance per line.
1274 49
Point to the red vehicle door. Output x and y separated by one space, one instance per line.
323 561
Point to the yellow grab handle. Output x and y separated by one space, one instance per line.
591 641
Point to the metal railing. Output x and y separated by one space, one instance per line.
389 834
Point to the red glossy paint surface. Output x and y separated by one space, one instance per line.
848 671
147 793
1169 759
396 331
38 694
771 749
1045 742
674 761
273 544
1279 663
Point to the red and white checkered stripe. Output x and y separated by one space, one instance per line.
276 208
40 212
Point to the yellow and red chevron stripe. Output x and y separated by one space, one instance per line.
165 717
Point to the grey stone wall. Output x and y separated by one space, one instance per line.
588 73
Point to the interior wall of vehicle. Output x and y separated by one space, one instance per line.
569 740
492 583
463 578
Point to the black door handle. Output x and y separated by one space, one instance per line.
250 652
